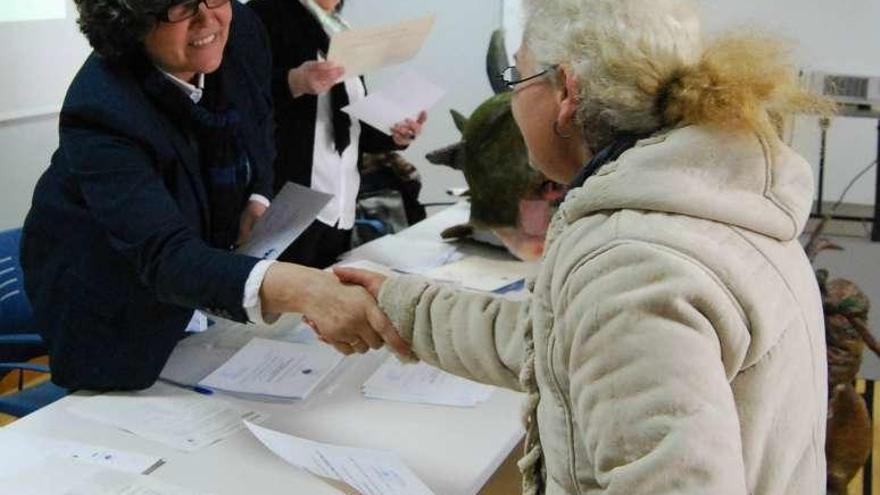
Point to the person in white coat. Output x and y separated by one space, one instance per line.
673 342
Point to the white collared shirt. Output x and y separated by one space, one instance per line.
333 173
251 302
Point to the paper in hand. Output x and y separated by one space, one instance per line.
363 50
292 211
405 98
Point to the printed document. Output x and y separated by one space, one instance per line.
370 472
274 369
178 418
66 477
483 274
22 451
405 254
424 384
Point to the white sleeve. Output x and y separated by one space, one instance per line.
252 304
259 198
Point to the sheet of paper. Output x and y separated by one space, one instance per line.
363 50
59 476
478 273
178 418
405 254
403 99
190 364
274 369
197 356
294 208
20 451
370 472
423 384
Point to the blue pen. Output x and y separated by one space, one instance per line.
195 388
203 390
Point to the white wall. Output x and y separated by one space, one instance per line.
832 36
38 59
37 62
453 57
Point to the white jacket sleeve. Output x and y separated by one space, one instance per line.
473 335
649 332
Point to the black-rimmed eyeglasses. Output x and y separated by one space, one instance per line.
512 77
184 10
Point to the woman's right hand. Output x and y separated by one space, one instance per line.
346 317
314 78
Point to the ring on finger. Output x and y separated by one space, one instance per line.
358 342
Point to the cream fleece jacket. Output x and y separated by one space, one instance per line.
674 340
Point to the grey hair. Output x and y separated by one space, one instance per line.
642 65
622 52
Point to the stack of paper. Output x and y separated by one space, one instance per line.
423 384
65 477
484 274
273 369
198 355
405 254
178 418
370 472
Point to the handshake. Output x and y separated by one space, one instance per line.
340 307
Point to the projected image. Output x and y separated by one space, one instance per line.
32 10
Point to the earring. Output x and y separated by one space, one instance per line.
558 132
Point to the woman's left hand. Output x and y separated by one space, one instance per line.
252 212
404 133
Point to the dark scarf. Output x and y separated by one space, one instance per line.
621 144
315 34
214 124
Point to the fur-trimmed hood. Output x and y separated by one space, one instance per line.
735 179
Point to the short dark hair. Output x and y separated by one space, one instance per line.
116 28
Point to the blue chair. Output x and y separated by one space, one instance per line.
19 340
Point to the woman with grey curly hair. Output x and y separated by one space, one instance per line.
673 342
164 164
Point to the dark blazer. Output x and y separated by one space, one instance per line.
113 248
296 37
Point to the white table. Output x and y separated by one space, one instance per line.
453 450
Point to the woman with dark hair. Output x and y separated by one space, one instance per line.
163 165
319 146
